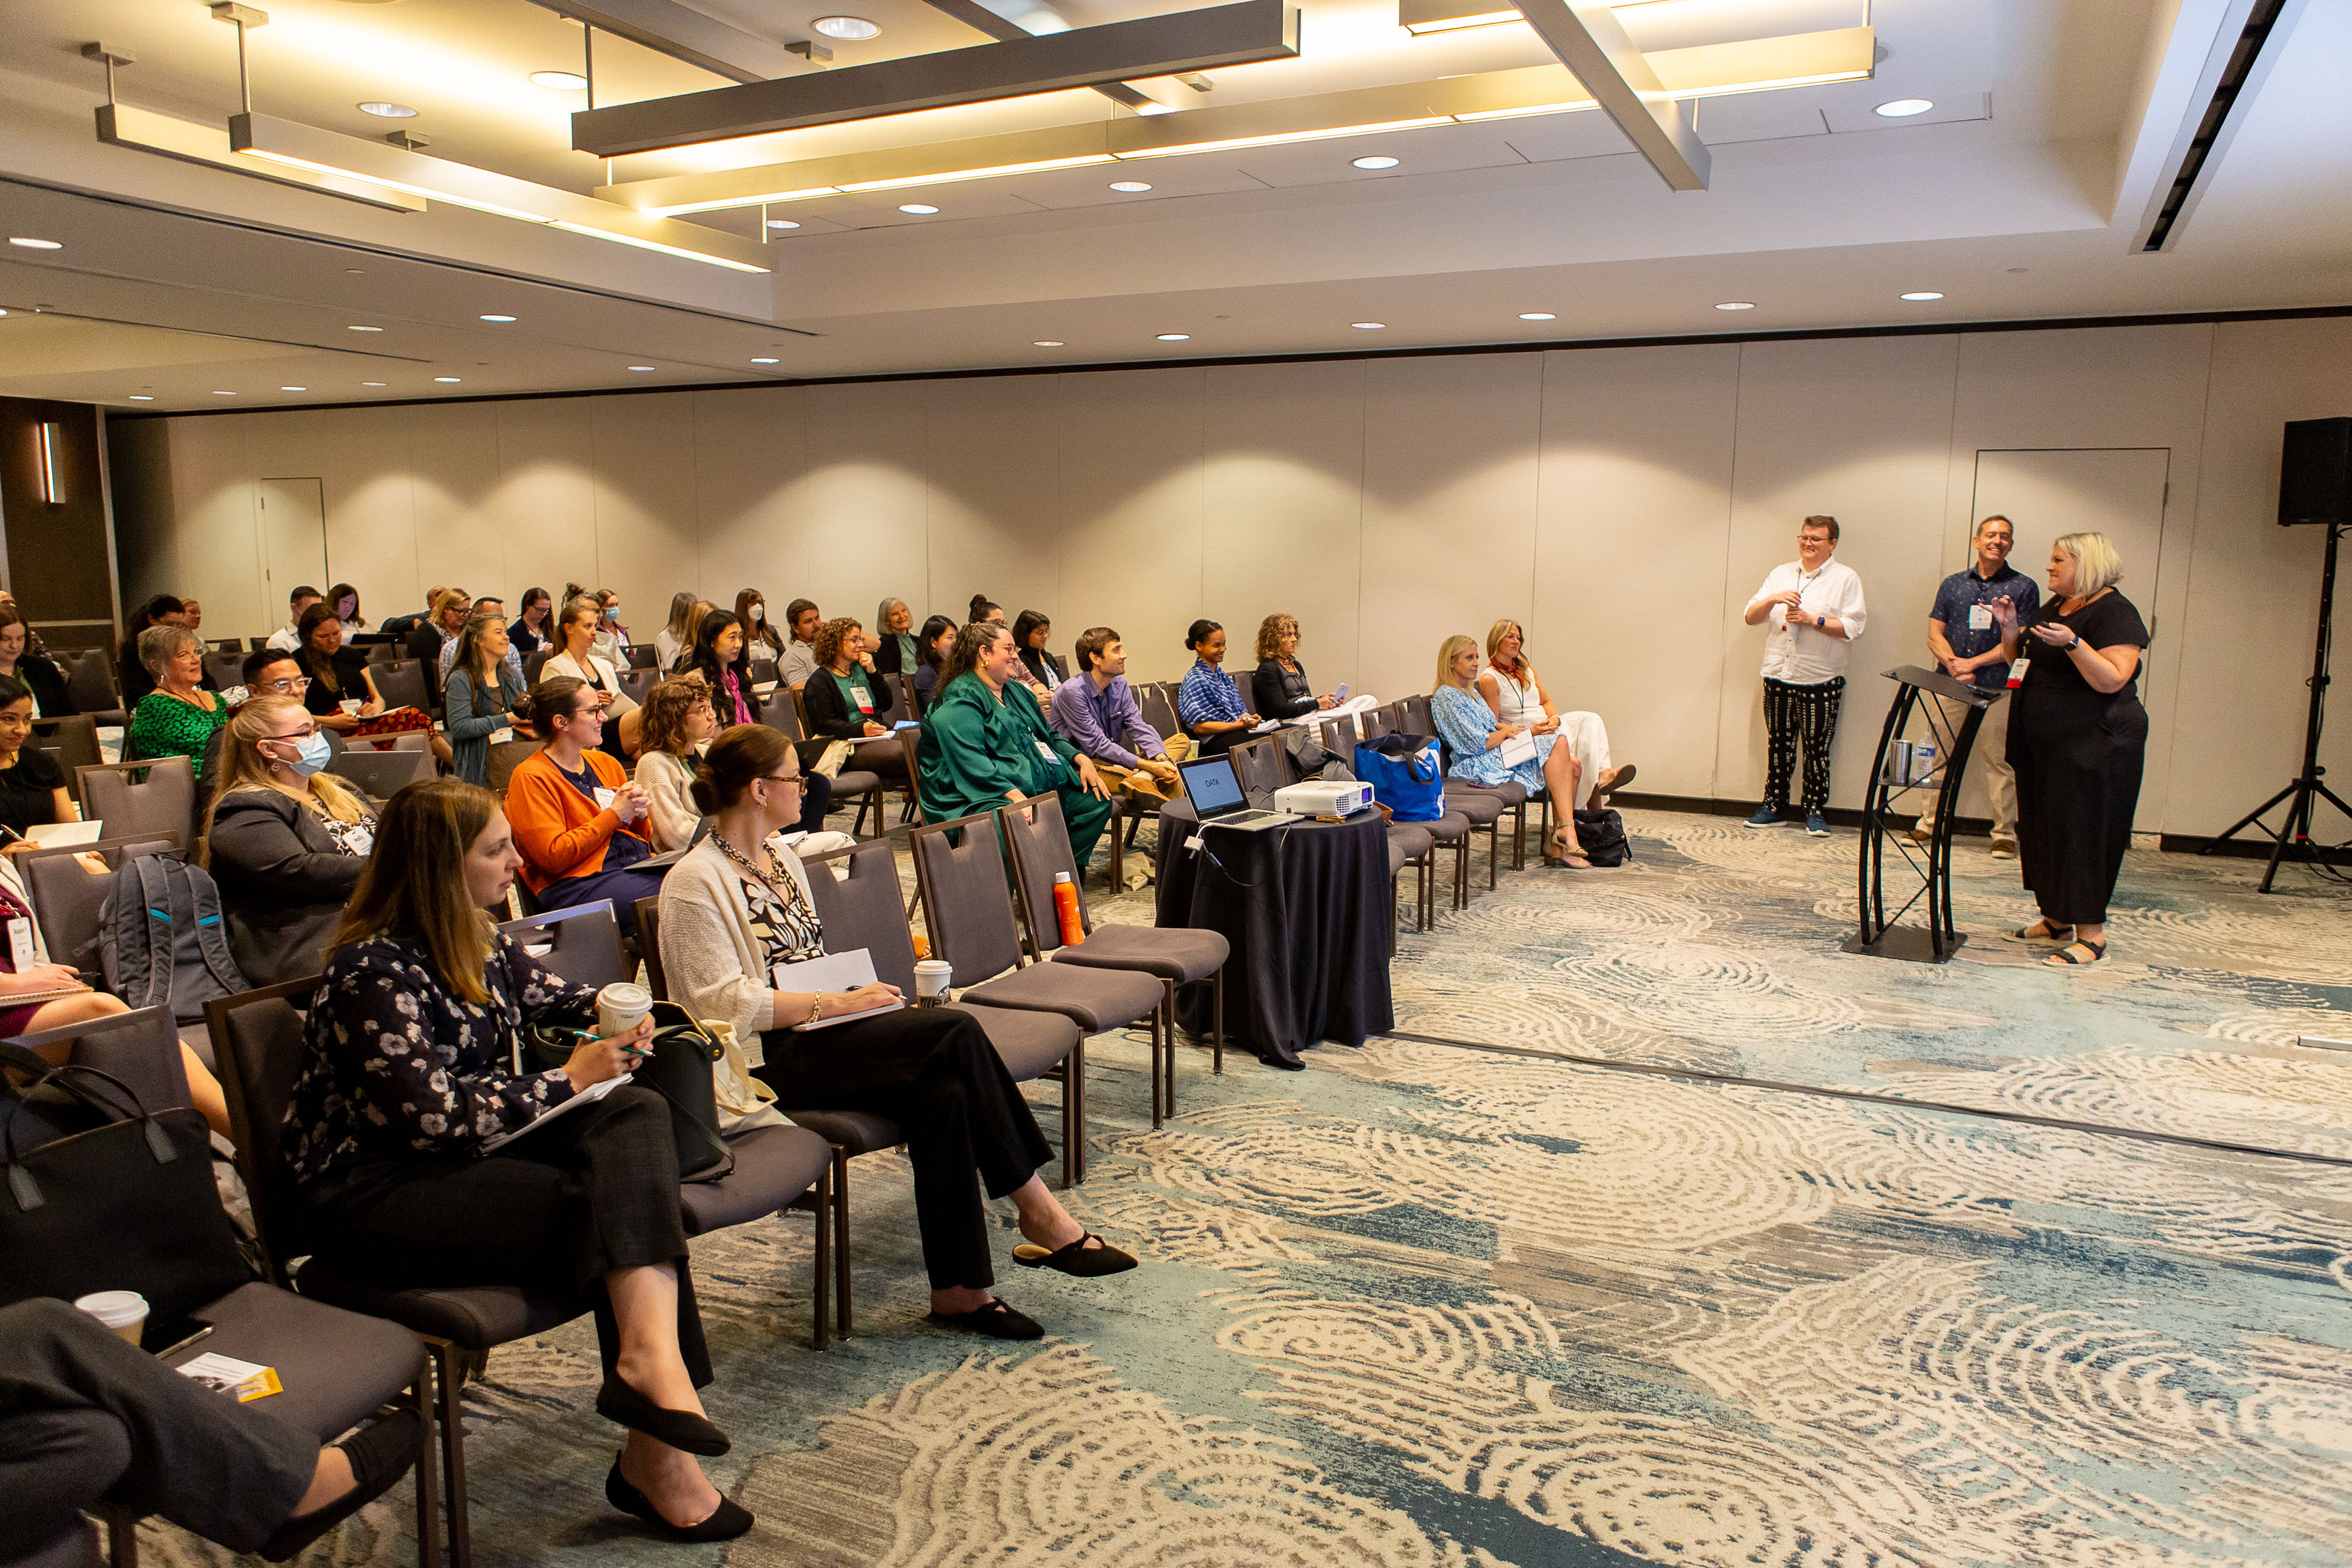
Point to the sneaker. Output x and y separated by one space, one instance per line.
2004 848
1766 816
1816 826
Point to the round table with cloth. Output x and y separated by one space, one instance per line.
1306 909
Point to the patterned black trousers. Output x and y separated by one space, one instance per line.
1794 714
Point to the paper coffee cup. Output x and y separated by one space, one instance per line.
620 1007
931 977
124 1311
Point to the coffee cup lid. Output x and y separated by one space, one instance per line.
933 966
625 996
113 1306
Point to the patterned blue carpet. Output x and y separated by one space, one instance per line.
1427 1304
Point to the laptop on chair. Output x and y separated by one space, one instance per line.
1214 787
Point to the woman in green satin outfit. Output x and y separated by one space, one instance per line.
986 743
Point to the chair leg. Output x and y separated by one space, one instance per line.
1168 1035
427 1477
1494 850
121 1535
821 1294
1073 1153
841 1238
1217 993
449 1370
1117 851
1519 836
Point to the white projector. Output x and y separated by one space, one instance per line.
1327 799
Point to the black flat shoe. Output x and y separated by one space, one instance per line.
1077 1258
726 1521
617 1402
996 1320
1284 1064
379 1456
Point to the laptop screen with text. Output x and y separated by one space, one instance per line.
1212 784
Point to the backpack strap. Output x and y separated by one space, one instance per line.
212 934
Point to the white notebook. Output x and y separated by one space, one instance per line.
833 972
589 1095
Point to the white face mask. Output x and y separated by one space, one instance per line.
758 615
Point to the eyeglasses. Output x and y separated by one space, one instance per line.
798 781
287 686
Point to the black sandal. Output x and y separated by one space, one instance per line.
1077 1259
2065 957
997 1320
2049 933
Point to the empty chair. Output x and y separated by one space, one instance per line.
89 682
505 757
781 711
1451 828
1264 766
639 683
530 665
406 683
1039 847
72 744
583 944
139 799
639 656
226 669
67 896
970 916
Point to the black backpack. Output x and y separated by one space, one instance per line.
1602 835
161 941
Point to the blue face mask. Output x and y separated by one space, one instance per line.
316 753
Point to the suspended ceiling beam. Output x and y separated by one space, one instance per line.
669 28
980 18
1216 36
1590 42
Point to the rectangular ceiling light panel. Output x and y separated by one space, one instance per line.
119 125
1239 34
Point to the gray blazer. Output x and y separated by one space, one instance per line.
283 883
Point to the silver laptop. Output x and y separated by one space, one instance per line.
1215 790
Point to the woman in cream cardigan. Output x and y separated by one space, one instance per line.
733 909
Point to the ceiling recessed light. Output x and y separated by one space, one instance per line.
1923 295
497 317
367 328
1175 337
782 223
1375 163
371 384
140 397
1538 316
1128 186
759 360
851 27
388 110
31 244
1736 305
640 367
1904 108
1046 344
921 209
451 379
1368 326
560 81
293 389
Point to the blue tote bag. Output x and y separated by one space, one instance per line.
1405 776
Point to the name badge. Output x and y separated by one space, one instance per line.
21 954
1049 752
1980 617
604 798
2017 673
864 700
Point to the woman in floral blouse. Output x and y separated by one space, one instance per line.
411 1065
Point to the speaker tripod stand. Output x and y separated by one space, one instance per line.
2293 837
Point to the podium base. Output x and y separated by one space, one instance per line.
1912 944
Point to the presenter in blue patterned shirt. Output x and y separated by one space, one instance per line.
1964 633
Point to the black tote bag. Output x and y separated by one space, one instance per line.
678 1067
127 1204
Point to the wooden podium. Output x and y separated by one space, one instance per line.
1892 783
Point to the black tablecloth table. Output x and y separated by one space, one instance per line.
1306 909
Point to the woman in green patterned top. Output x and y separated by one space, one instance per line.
178 718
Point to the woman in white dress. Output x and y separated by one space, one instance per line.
1516 692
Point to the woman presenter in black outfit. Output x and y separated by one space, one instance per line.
2078 740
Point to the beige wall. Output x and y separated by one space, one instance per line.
1622 502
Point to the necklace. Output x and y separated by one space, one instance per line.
789 890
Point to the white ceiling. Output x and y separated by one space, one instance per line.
2016 198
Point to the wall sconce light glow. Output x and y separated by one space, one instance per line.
1375 163
371 384
782 223
1904 108
367 328
1922 296
53 474
449 379
560 81
921 209
140 397
219 393
1370 326
293 389
1736 305
1046 344
640 367
851 27
29 243
497 317
1538 316
761 360
1130 186
382 110
1174 338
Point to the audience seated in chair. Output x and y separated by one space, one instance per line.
285 841
1209 704
891 639
843 700
765 640
575 636
344 600
1097 711
1040 671
737 907
336 673
1279 686
579 823
798 661
685 612
133 679
177 718
478 694
531 631
1470 730
985 742
678 724
31 669
385 1147
716 654
451 606
1512 688
32 786
932 646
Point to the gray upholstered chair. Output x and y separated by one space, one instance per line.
67 897
91 682
226 670
637 685
407 683
1453 828
72 744
505 757
781 711
960 871
163 799
1039 843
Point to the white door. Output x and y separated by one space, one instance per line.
293 543
2119 491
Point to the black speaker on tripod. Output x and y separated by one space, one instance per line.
2315 490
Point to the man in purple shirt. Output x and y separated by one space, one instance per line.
1097 711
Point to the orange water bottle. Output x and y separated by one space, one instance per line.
1066 907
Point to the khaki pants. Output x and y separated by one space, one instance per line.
1992 751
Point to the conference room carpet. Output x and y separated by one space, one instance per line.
1449 1304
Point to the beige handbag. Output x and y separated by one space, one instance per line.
835 755
744 1102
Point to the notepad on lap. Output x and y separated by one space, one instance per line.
50 835
833 972
589 1095
1520 747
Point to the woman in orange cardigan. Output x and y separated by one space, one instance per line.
579 823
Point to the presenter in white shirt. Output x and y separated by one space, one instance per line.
1813 610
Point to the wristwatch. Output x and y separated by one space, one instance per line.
1821 623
